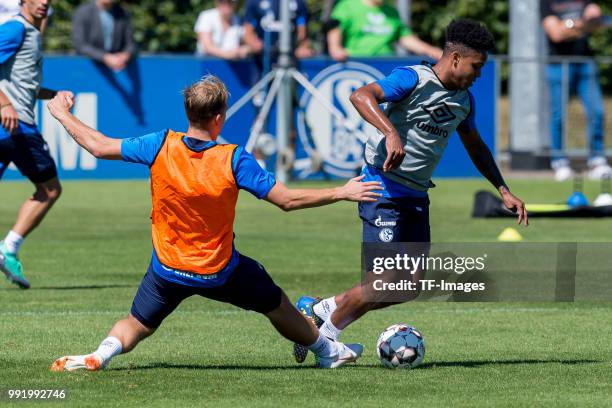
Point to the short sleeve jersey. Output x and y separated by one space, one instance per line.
368 31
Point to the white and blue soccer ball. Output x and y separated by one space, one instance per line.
400 346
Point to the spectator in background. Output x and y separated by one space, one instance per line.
10 8
101 30
220 32
263 16
370 28
568 25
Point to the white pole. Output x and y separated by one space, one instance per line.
528 127
404 8
283 102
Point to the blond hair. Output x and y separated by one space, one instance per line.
205 99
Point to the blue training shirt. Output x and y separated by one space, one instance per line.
12 34
249 176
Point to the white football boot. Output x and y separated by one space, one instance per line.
90 362
345 353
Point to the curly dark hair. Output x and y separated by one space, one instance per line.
470 34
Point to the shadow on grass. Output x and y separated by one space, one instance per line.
425 366
482 363
82 287
156 366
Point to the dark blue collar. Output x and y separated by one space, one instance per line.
198 145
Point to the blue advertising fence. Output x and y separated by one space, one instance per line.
146 97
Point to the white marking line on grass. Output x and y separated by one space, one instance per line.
114 313
234 312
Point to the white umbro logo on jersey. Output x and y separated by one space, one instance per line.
440 112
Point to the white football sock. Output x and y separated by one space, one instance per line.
109 348
13 242
329 330
323 347
325 308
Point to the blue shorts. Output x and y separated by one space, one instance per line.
30 154
249 287
404 219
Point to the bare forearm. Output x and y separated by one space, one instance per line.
4 100
559 32
88 138
334 39
251 39
307 198
417 46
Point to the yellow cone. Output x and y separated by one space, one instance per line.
510 235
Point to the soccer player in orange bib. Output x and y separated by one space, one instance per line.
194 187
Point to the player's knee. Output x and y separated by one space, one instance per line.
48 192
139 328
54 193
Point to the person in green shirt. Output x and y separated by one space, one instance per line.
370 28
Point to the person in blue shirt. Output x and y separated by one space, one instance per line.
424 106
20 141
194 187
261 28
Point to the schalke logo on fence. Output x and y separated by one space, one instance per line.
339 143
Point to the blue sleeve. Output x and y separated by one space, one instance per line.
11 37
468 124
251 15
301 17
142 149
249 174
399 84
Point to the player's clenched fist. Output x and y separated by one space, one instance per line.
61 103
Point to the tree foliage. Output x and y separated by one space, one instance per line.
167 26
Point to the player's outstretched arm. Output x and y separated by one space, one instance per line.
485 163
96 143
289 199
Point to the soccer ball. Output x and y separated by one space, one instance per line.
400 346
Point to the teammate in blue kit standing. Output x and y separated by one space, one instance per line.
425 105
20 141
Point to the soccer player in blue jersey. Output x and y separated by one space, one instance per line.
194 188
20 141
425 105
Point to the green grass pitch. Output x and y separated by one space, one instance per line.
87 258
